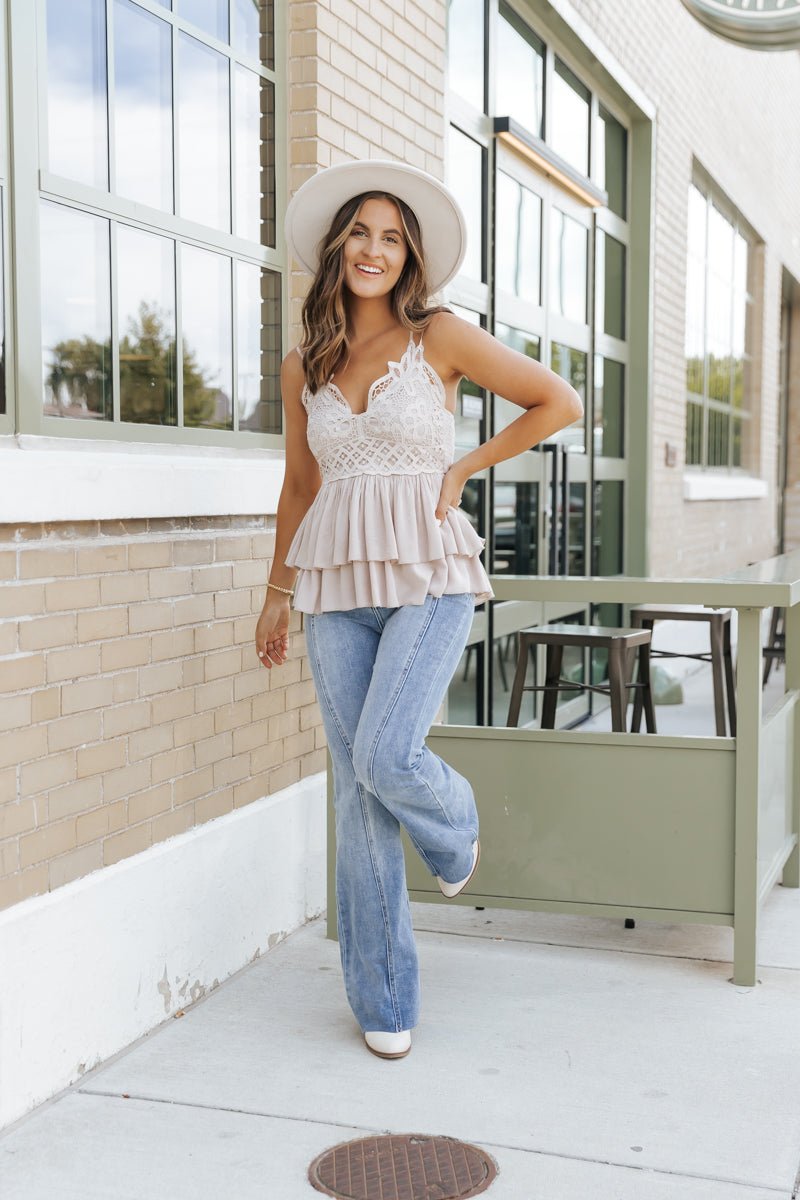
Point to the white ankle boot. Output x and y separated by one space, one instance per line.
389 1045
452 889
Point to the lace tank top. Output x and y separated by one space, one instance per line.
370 536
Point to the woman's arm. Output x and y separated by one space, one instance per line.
550 402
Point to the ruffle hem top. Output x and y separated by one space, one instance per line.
371 536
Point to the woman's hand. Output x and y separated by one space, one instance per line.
450 495
272 631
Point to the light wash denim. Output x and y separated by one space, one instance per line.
381 675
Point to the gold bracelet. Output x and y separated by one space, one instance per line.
278 588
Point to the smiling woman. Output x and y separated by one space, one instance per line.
384 563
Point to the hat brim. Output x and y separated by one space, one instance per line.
441 220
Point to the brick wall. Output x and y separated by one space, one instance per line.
729 108
132 704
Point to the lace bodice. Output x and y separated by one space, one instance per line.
406 428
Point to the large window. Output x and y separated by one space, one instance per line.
719 323
160 273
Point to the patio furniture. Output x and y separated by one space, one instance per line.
617 642
775 650
720 655
667 828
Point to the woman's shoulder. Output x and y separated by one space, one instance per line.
444 329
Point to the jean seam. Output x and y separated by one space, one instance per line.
391 706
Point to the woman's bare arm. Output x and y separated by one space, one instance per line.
302 479
550 402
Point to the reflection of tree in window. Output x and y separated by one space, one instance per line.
79 378
147 369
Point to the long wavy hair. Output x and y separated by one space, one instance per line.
325 342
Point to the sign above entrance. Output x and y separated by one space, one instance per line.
765 25
541 156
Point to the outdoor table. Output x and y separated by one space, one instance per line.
652 827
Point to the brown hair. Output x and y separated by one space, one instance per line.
325 344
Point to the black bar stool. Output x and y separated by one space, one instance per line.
618 642
775 649
720 656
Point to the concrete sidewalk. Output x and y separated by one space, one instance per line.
589 1060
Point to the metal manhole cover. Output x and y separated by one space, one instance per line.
409 1166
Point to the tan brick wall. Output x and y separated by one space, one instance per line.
132 705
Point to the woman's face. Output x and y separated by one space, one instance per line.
375 250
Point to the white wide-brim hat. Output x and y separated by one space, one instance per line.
441 221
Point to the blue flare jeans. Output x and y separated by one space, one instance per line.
381 675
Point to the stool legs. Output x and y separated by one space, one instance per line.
617 679
645 692
638 695
730 678
716 671
515 702
555 655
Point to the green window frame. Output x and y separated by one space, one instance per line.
241 410
718 332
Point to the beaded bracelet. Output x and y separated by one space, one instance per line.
278 588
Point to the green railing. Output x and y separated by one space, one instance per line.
653 827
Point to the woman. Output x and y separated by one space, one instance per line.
371 545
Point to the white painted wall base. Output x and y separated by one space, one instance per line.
94 965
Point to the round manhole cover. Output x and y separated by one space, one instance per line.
408 1166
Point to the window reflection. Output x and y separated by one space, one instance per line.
471 400
569 266
610 293
252 21
520 56
612 162
210 15
76 313
569 125
142 106
609 408
254 133
519 215
516 523
204 170
258 348
146 316
206 338
77 128
465 49
576 529
465 178
571 365
607 527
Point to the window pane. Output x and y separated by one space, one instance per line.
609 408
465 178
568 266
207 332
146 316
253 29
255 164
520 78
258 347
2 314
203 132
607 531
465 51
569 126
76 313
576 530
516 520
610 296
612 162
694 434
210 15
142 106
571 365
77 128
519 216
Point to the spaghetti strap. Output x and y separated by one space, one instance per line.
300 352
